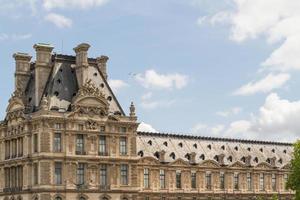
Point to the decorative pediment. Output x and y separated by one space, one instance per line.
263 165
148 160
210 164
179 161
15 104
286 166
237 164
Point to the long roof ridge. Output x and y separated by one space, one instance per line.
190 136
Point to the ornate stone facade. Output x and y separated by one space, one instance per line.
65 136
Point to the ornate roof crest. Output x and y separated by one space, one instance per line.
89 89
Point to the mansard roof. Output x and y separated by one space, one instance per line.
62 85
223 150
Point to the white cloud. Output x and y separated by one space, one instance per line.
222 17
204 129
144 127
152 79
152 104
147 96
59 20
116 85
230 112
4 36
267 84
76 4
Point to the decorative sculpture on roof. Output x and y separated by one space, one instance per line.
44 103
88 88
132 110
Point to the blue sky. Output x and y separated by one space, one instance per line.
225 68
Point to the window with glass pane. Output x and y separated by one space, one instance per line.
274 182
123 146
236 181
162 179
102 145
193 180
103 175
146 178
222 181
178 179
58 172
35 143
123 129
80 174
79 144
208 180
261 182
124 174
249 181
57 142
35 173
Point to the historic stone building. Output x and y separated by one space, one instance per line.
65 136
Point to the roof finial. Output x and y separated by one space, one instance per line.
132 110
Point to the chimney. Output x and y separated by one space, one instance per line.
22 73
81 62
42 69
101 62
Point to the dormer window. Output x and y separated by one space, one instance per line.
172 155
141 153
236 148
273 150
166 143
195 146
261 150
223 147
284 151
180 144
255 159
249 149
229 158
187 156
209 146
156 154
216 158
280 160
150 142
268 160
202 157
243 159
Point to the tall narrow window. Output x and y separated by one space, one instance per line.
124 174
146 178
80 174
261 182
123 146
193 180
178 179
222 181
7 149
285 177
79 144
274 182
57 142
208 180
35 173
236 181
249 181
20 147
58 173
103 175
102 146
20 176
7 177
35 143
162 179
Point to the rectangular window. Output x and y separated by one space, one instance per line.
20 147
122 129
222 181
79 144
57 142
58 173
58 126
123 146
102 146
35 143
102 129
249 181
80 174
285 177
193 180
208 180
35 173
7 149
146 178
178 179
162 179
261 182
7 177
274 182
103 175
124 174
236 181
20 176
